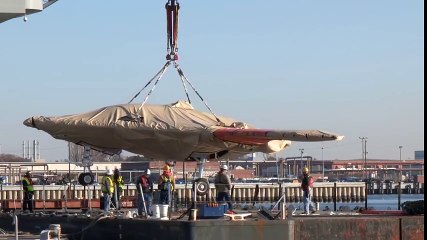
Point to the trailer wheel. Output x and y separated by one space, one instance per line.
202 186
86 179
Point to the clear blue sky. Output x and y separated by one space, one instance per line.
351 67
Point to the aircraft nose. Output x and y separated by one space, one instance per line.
31 122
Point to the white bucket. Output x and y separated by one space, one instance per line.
193 214
164 210
156 211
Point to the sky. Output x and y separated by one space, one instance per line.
355 68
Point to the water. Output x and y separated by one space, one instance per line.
377 202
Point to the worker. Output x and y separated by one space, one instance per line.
107 189
307 188
223 187
27 185
118 186
166 185
147 191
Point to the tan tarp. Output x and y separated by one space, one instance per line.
173 131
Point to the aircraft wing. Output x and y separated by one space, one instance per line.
263 136
108 151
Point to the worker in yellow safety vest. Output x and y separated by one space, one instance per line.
27 186
119 184
107 189
166 185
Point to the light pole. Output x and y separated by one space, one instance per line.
323 166
400 159
364 140
302 151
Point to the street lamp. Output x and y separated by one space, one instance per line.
302 151
323 166
400 159
364 140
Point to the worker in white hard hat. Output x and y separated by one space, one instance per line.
145 185
107 188
223 187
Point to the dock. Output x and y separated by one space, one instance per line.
321 226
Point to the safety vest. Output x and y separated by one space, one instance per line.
307 182
167 180
29 185
107 180
120 183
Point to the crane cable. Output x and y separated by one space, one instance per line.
182 76
161 72
172 11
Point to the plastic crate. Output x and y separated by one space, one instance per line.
211 211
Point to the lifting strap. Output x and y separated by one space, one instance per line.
161 72
182 76
172 8
184 79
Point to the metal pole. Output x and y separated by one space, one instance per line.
66 198
364 156
366 159
15 221
185 190
294 167
335 196
143 200
69 169
401 166
116 198
44 198
323 167
302 151
399 195
366 195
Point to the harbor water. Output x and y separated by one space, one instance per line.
377 202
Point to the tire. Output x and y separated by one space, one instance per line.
86 179
202 186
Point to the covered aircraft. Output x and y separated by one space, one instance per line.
175 131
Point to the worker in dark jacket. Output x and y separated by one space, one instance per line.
223 187
27 185
307 188
145 185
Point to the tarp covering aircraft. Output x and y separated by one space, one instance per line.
176 131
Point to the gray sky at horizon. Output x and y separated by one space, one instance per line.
355 68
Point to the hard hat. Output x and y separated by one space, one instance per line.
109 172
225 167
148 172
166 168
305 170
